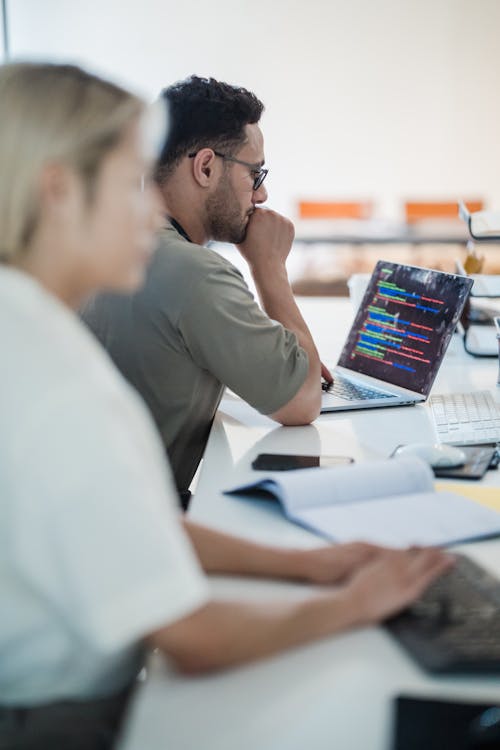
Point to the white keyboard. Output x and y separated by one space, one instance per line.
466 417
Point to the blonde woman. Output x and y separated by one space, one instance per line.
94 562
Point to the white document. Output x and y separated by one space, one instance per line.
385 502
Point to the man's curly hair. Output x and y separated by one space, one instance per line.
205 113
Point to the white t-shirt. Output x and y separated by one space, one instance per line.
92 554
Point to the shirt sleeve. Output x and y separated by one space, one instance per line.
110 553
227 333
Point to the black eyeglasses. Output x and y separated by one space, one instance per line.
258 173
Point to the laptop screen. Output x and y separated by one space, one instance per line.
404 325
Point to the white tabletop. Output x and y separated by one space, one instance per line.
336 693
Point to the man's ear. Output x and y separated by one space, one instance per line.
203 167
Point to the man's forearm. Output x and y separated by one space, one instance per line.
278 301
222 553
268 241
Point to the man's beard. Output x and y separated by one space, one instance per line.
225 221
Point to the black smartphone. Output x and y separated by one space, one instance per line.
287 462
478 459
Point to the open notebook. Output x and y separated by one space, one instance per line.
389 502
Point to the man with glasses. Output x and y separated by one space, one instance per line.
195 327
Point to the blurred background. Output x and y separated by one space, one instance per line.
370 106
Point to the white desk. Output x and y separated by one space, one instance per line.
332 694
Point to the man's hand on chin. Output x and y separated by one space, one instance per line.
268 240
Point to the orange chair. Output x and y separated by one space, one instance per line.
335 209
421 210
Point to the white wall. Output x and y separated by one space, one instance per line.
2 45
365 98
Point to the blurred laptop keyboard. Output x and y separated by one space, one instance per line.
461 418
455 625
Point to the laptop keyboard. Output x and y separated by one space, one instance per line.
349 391
469 418
455 625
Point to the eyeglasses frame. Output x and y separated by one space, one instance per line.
259 173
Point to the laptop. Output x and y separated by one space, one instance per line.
398 339
485 285
477 325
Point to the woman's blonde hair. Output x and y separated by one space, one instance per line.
57 113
